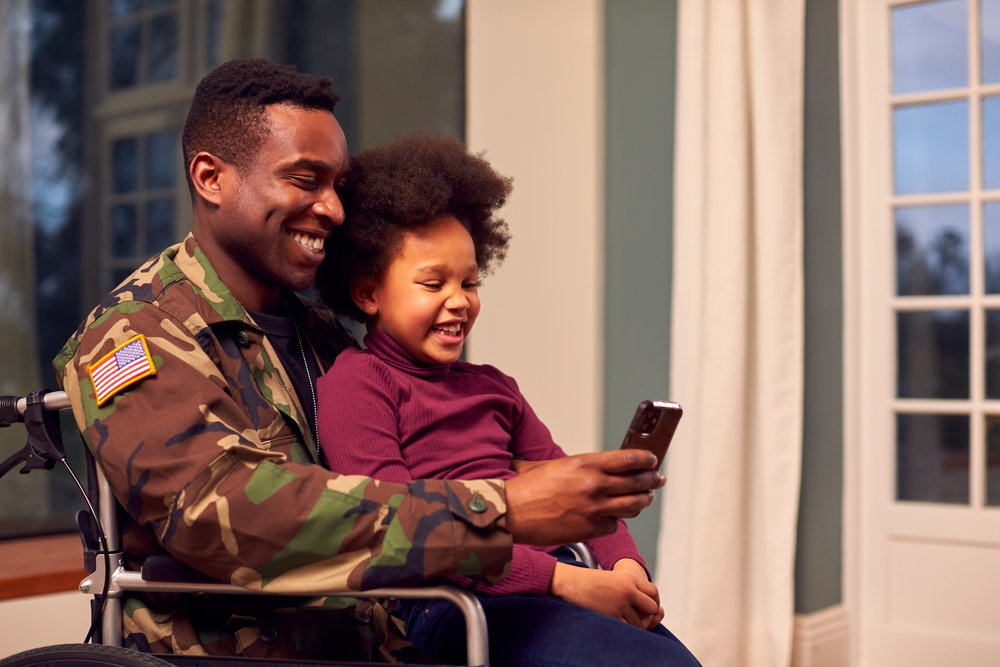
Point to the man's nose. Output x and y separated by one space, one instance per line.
330 207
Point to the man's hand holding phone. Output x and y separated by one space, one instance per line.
580 497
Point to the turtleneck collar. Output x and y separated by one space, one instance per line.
385 348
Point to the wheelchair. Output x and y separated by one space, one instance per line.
108 578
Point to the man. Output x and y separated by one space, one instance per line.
193 385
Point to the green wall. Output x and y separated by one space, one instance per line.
818 557
640 65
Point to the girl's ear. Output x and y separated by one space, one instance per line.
363 295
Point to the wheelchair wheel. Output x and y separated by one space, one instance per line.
82 655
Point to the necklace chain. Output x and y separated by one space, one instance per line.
312 387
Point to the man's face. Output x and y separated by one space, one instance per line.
273 222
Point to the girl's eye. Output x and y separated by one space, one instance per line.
432 285
474 285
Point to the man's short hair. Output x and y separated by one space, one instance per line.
227 116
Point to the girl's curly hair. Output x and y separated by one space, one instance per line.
403 184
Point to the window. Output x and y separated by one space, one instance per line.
98 95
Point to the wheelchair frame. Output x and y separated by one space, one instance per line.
45 449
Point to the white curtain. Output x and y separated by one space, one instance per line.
727 541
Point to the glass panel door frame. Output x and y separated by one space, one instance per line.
873 519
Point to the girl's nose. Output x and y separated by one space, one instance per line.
457 301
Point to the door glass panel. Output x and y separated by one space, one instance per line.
929 46
991 142
993 460
989 16
931 147
932 354
991 246
932 250
992 354
932 458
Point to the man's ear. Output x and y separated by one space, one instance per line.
363 295
208 174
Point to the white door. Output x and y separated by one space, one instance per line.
922 232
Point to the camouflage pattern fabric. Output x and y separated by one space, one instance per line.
211 458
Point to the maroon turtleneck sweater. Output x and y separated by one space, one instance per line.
386 415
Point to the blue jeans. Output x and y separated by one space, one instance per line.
537 631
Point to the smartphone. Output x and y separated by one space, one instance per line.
653 427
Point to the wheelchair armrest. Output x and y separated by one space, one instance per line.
164 573
162 567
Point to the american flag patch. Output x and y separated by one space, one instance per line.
126 364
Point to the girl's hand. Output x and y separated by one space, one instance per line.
615 593
633 567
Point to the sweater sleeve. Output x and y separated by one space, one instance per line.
532 440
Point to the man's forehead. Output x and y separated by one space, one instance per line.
298 134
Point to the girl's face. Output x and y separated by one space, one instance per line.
428 298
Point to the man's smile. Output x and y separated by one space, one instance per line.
312 243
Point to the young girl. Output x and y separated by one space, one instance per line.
420 231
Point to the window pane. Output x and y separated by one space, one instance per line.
125 165
125 7
932 250
213 33
992 354
163 47
989 18
161 149
123 230
932 354
991 246
991 142
159 224
932 458
992 460
931 147
929 46
124 56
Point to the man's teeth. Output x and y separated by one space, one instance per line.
452 329
311 242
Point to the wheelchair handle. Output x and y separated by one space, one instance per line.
12 407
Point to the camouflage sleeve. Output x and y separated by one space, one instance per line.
190 460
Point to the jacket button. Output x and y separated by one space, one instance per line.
477 504
243 339
268 635
361 617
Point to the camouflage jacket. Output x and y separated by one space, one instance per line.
211 459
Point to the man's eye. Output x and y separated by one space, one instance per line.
305 182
